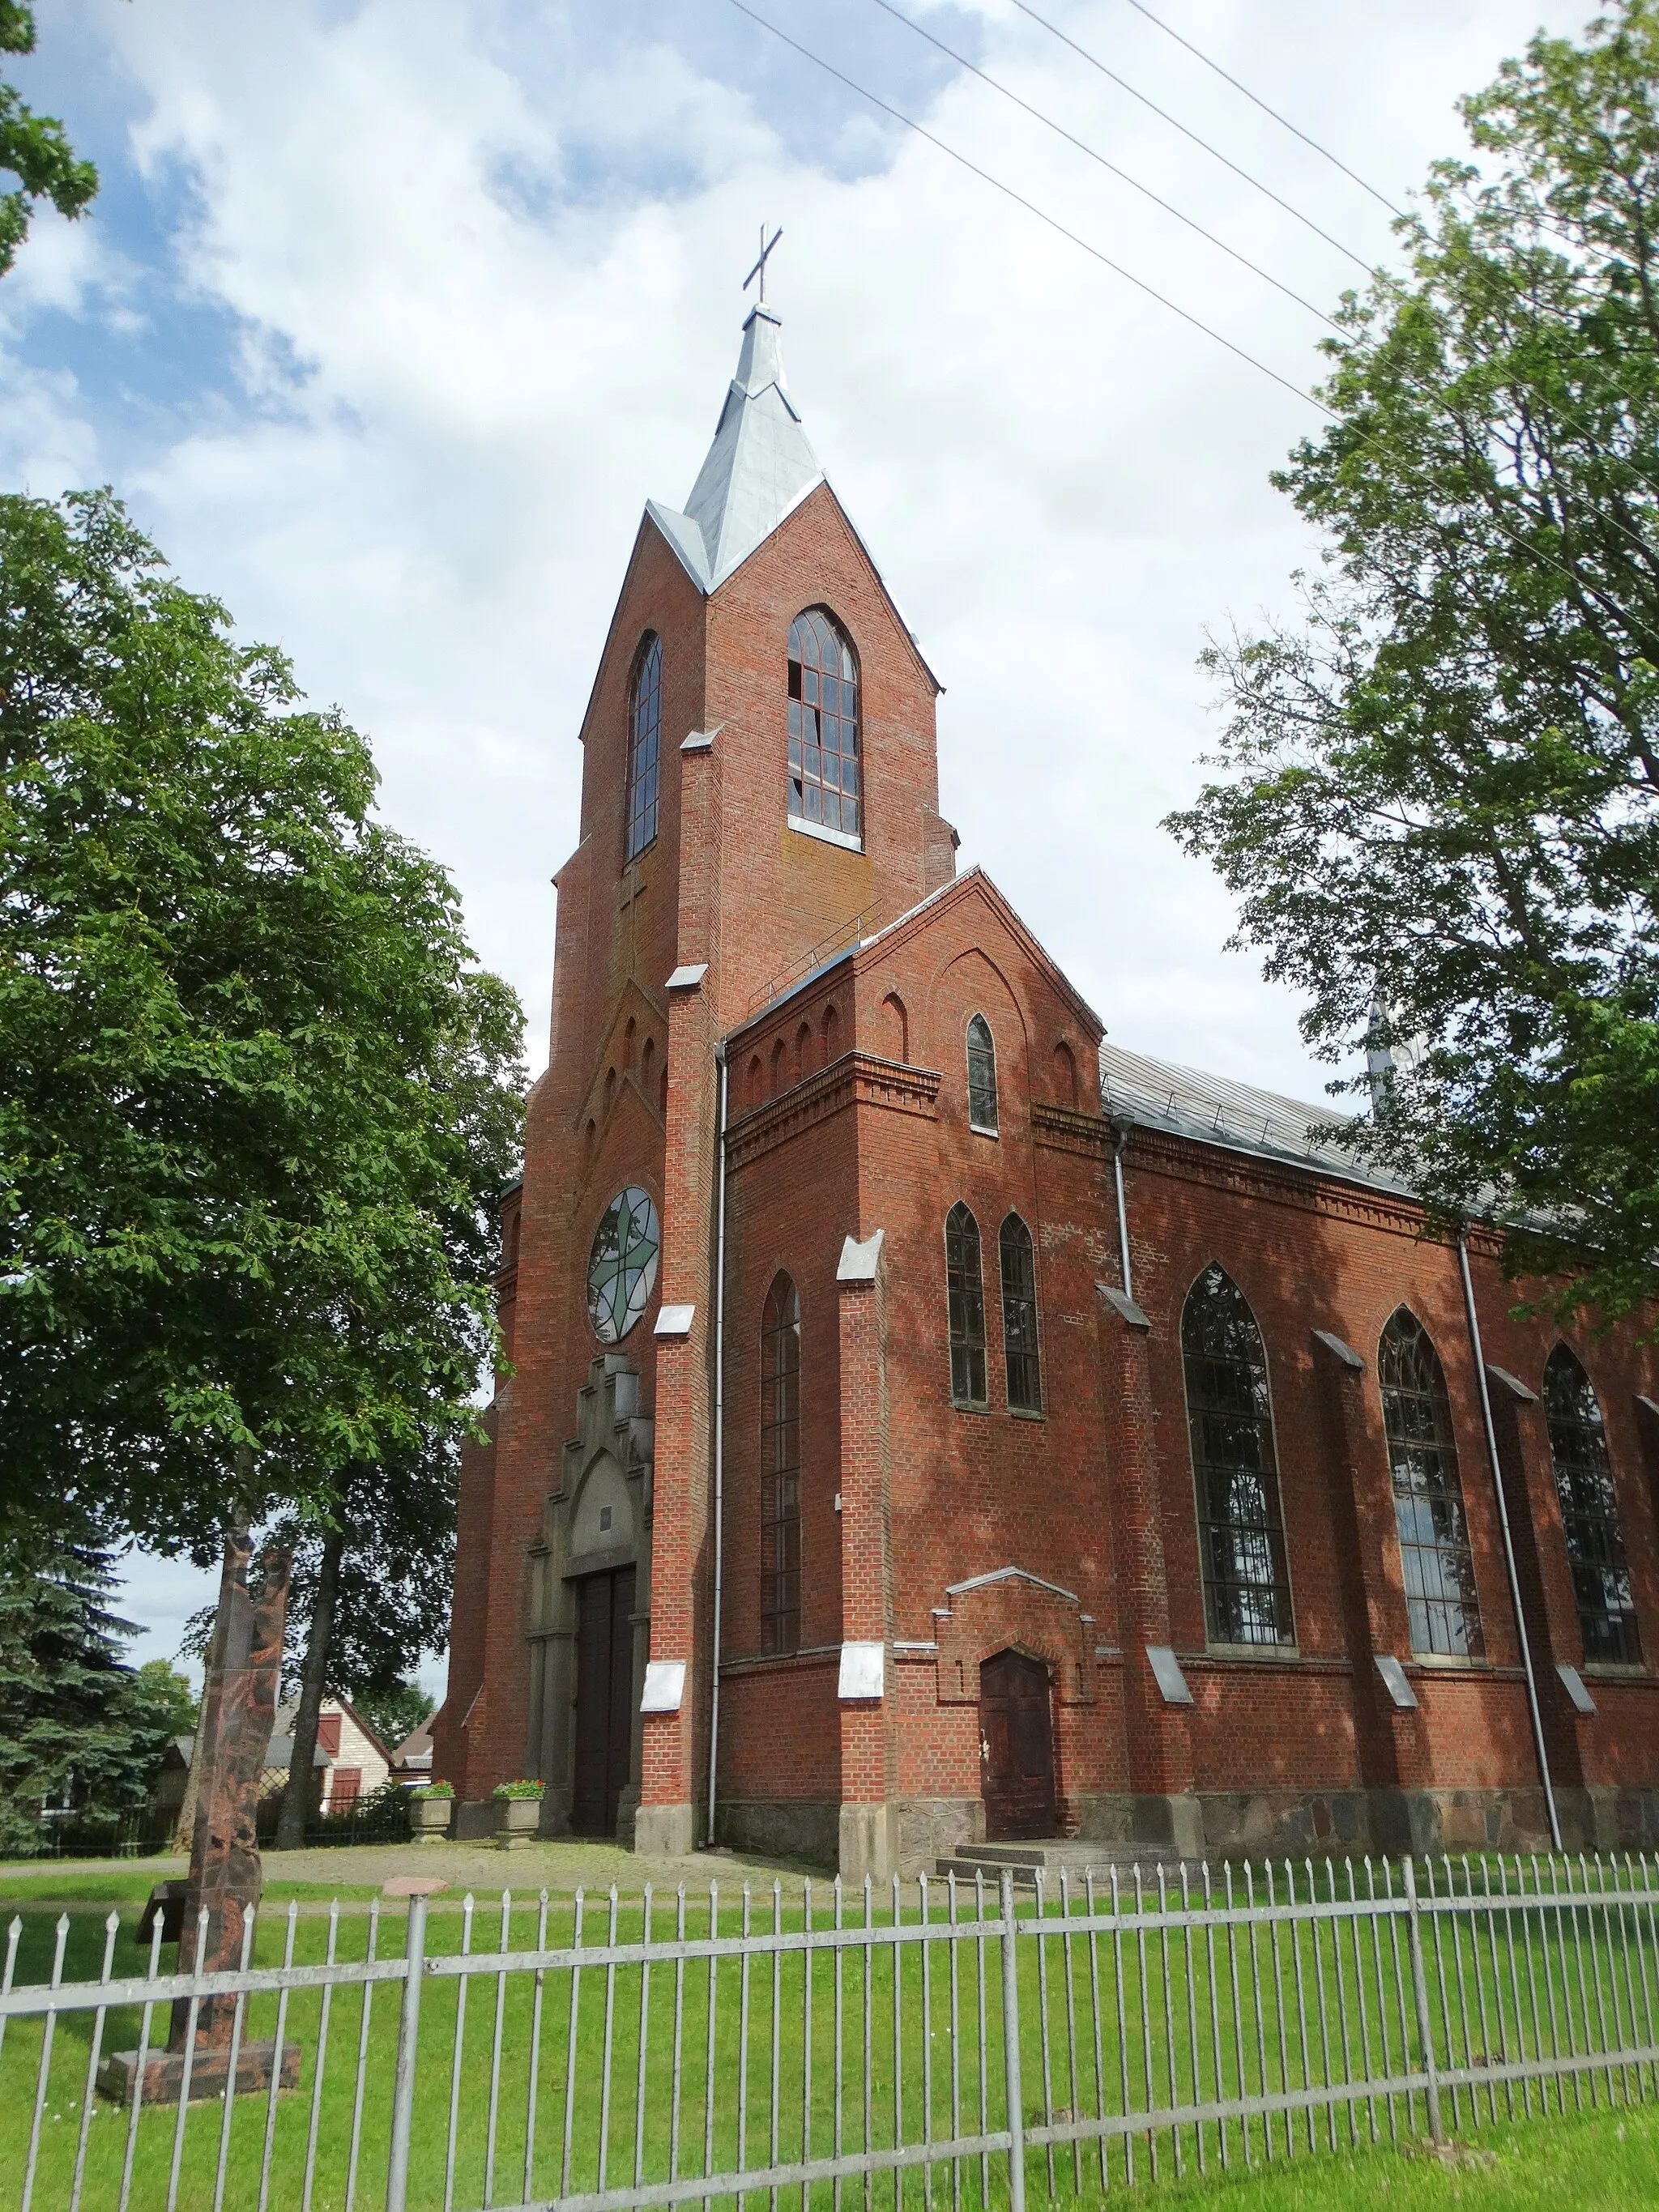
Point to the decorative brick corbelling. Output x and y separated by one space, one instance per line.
856 1078
1069 1129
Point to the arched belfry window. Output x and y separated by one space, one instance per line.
1019 1316
644 745
825 778
1240 1531
1428 1493
981 1077
780 1440
965 1285
1589 1514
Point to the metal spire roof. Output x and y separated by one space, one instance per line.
758 469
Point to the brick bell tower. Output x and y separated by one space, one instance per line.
760 783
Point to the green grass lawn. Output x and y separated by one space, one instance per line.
1112 2023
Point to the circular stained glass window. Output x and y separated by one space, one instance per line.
622 1269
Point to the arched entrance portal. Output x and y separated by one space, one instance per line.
1017 1748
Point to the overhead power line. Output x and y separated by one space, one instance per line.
1031 207
1284 121
1175 123
1134 183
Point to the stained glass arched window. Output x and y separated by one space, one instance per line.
825 785
1240 1532
1428 1493
780 1441
1019 1316
964 1285
644 745
981 1077
1589 1514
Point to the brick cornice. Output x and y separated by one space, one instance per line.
1069 1129
1305 1188
856 1078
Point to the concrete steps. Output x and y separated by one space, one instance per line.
1075 1860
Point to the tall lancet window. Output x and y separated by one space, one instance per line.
824 784
1241 1533
1019 1317
780 1593
1589 1514
644 745
1428 1493
964 1288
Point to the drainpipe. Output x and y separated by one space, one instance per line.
1508 1545
1121 1131
720 1434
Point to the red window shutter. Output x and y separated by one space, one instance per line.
347 1783
328 1735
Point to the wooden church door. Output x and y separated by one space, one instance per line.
1017 1749
604 1702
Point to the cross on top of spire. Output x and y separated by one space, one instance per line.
759 269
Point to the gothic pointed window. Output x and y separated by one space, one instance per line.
1435 1557
644 745
981 1077
826 774
780 1439
1589 1514
1241 1533
1019 1317
964 1285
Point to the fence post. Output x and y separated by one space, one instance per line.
1011 2090
403 2082
1420 1993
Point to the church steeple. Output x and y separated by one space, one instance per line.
759 469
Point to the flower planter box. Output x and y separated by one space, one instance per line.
429 1817
517 1820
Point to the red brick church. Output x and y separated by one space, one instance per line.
931 1424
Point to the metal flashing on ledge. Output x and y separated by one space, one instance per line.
1166 1672
863 1671
1123 1305
1573 1683
675 1320
702 741
665 1686
1338 1349
1516 1387
1394 1680
858 1262
689 977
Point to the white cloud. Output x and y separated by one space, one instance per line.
485 263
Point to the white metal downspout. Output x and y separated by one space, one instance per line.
719 1438
1122 1135
1508 1545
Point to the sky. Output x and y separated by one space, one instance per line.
390 314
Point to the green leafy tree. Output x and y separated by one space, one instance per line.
395 1712
79 1729
34 148
256 1101
171 1693
1439 803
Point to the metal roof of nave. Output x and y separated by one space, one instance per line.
757 471
1159 1094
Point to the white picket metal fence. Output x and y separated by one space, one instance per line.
936 2044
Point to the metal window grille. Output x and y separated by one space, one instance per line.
1589 1513
1019 1317
780 1469
824 725
645 747
981 1076
959 2045
965 1285
1241 1533
1428 1494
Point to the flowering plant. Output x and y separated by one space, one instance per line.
520 1789
433 1790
